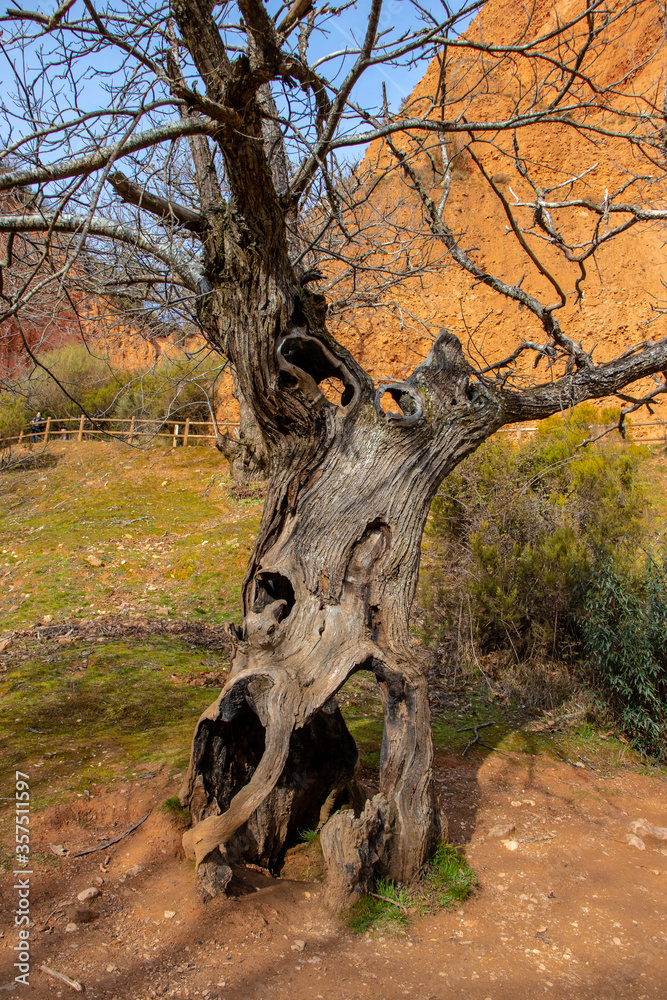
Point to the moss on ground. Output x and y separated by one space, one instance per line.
108 528
84 717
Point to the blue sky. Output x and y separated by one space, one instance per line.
341 32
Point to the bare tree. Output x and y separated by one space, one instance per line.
231 125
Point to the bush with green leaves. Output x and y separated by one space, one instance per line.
14 417
623 626
176 387
512 533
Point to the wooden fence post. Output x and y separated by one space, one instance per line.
131 434
20 437
174 440
186 433
48 428
80 434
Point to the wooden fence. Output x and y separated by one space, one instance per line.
517 432
77 429
183 433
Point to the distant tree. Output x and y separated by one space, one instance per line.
227 122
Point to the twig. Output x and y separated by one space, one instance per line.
585 761
60 906
63 979
393 902
475 739
108 843
480 725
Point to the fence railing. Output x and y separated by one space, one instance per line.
518 432
181 433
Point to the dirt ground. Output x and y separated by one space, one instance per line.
565 905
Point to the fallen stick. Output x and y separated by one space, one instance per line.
63 979
60 906
108 843
476 739
479 725
392 901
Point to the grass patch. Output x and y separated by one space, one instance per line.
448 879
168 536
385 911
309 836
173 807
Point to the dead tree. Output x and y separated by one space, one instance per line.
332 576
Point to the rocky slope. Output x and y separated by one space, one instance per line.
624 282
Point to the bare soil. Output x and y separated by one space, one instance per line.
565 905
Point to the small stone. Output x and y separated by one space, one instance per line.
71 927
541 930
635 842
511 845
502 830
307 895
516 804
58 850
617 941
298 946
111 968
212 879
47 618
168 914
529 802
646 829
91 893
65 640
94 561
5 644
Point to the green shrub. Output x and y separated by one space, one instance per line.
174 388
13 417
173 806
623 624
512 532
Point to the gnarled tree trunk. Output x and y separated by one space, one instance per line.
328 592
